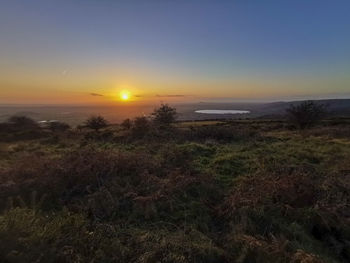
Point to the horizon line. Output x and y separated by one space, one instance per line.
173 103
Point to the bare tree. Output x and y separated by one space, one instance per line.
306 114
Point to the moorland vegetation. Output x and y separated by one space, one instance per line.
155 190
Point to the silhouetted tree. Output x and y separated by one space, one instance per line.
96 123
126 124
164 116
306 114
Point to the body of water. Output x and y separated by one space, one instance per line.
223 111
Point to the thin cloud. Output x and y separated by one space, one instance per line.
159 96
170 96
96 94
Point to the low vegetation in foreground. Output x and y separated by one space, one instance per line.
153 190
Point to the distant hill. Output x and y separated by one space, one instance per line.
336 107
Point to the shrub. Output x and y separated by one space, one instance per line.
73 176
23 122
109 184
229 165
126 124
295 190
59 237
70 237
5 128
141 126
219 133
272 249
294 205
306 114
179 246
57 126
96 123
103 136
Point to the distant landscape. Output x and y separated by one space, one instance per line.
74 115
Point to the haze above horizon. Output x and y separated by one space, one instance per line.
105 52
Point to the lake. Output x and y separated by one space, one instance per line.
223 111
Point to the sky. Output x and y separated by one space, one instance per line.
89 51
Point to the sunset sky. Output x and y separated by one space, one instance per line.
89 51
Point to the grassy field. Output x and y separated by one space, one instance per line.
209 191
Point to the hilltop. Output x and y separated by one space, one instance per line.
252 190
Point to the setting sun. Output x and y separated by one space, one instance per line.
125 95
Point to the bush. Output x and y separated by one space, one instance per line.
70 237
96 123
174 157
179 246
141 126
60 237
294 205
57 126
108 184
126 124
23 122
219 133
103 136
294 190
306 114
73 176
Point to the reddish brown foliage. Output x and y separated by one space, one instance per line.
293 190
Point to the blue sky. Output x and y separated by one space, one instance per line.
53 50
